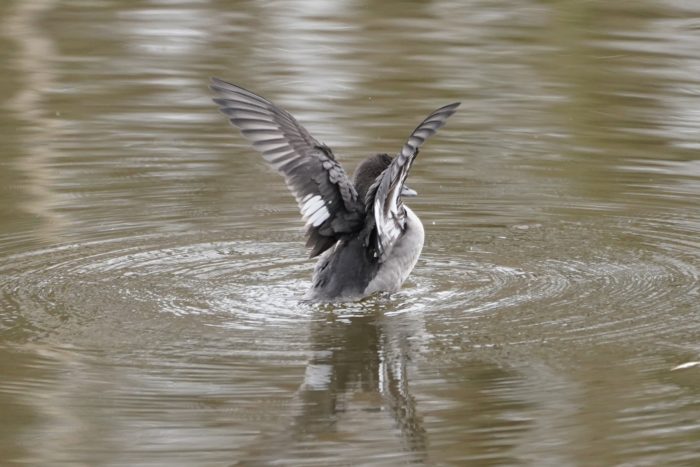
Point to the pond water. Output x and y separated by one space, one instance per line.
152 268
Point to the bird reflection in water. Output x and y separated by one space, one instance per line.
357 374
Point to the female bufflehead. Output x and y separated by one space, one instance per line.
369 241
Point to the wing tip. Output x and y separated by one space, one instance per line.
223 87
218 84
449 108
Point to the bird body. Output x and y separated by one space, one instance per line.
367 239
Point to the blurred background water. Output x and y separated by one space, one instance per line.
152 267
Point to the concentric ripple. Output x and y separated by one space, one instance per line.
237 282
520 286
597 287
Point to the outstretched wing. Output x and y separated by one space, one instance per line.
326 196
384 197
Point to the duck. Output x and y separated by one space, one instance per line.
366 239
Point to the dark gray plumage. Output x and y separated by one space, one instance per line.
376 240
326 197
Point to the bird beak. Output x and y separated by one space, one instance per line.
407 191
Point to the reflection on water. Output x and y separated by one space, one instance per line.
356 376
152 268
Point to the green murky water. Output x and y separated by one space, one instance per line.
151 266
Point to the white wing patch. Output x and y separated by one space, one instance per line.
389 212
389 224
314 210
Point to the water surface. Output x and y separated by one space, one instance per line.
152 267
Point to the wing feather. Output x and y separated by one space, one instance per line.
384 196
327 198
